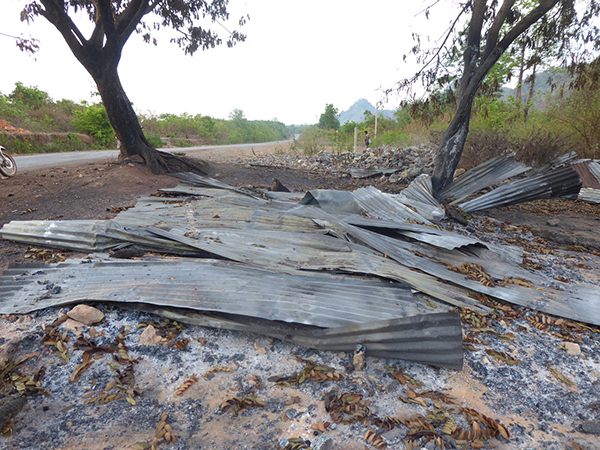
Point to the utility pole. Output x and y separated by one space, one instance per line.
355 139
376 114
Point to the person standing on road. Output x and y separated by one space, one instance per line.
367 140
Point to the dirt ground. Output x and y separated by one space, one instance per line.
100 190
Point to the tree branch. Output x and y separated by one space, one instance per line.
494 31
57 16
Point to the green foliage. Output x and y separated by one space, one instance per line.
328 120
30 97
93 120
155 140
312 140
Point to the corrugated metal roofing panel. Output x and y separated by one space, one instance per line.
587 177
589 195
318 299
490 173
561 182
419 195
377 204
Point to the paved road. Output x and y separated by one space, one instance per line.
44 160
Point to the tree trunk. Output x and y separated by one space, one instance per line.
521 72
450 150
531 92
125 122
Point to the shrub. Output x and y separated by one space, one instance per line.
155 140
93 120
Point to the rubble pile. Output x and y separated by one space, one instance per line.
409 162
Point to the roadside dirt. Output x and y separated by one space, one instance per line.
540 411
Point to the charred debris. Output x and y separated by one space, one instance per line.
326 269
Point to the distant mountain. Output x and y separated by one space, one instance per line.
357 111
541 87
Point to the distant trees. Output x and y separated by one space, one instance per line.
328 120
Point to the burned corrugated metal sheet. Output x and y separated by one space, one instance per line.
589 195
419 195
434 339
561 182
284 238
490 173
379 205
368 173
318 299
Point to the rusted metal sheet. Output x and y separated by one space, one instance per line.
588 179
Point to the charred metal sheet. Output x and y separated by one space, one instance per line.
561 182
589 195
574 302
490 173
594 167
379 205
79 235
332 201
419 195
318 299
434 339
368 173
201 181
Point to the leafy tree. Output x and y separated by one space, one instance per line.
114 21
491 29
28 96
328 120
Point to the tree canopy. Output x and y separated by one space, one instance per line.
328 120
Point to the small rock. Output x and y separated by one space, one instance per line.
87 315
571 347
485 360
323 442
149 336
291 413
591 427
73 326
553 222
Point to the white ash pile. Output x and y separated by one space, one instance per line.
409 162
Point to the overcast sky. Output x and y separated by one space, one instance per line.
298 56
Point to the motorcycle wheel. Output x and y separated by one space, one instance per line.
8 167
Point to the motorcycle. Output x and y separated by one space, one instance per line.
8 167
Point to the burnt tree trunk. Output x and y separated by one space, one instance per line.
476 66
100 55
125 122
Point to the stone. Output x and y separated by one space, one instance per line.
149 336
571 348
553 222
591 427
87 315
323 442
72 325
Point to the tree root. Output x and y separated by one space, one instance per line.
159 163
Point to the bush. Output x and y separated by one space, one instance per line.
93 120
155 140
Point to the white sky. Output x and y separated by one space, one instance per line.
298 56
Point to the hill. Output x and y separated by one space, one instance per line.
356 112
